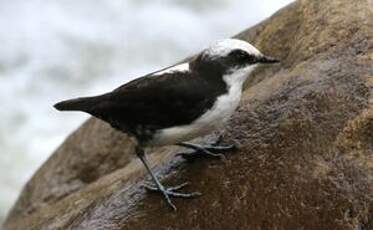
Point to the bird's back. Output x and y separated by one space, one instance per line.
152 103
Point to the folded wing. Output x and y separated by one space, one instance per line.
151 102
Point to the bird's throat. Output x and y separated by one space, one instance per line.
237 77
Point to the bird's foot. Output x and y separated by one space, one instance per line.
210 150
172 192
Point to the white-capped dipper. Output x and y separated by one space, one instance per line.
178 103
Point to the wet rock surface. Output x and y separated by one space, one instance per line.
305 130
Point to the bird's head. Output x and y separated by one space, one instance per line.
232 56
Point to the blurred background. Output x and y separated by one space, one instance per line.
57 49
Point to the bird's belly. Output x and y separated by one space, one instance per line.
212 119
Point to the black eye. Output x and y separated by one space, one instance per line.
239 54
251 59
243 56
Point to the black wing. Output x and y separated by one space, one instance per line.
155 102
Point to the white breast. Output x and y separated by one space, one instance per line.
220 112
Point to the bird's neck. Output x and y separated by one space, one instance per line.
207 67
237 78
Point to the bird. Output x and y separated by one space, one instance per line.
177 104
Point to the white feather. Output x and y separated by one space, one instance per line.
220 112
224 47
184 67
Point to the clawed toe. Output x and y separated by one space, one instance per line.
153 188
220 147
172 192
183 195
166 192
198 154
212 150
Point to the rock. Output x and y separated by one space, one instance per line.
305 128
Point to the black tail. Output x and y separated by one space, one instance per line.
85 104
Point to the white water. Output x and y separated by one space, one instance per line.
58 49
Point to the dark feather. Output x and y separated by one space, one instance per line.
152 102
79 104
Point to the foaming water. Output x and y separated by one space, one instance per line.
53 50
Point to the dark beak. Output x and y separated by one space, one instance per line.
268 60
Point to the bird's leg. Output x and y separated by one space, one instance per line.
166 192
211 150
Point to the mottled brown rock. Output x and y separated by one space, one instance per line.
305 129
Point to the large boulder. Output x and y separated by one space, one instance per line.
305 130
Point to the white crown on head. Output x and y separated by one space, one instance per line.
224 47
